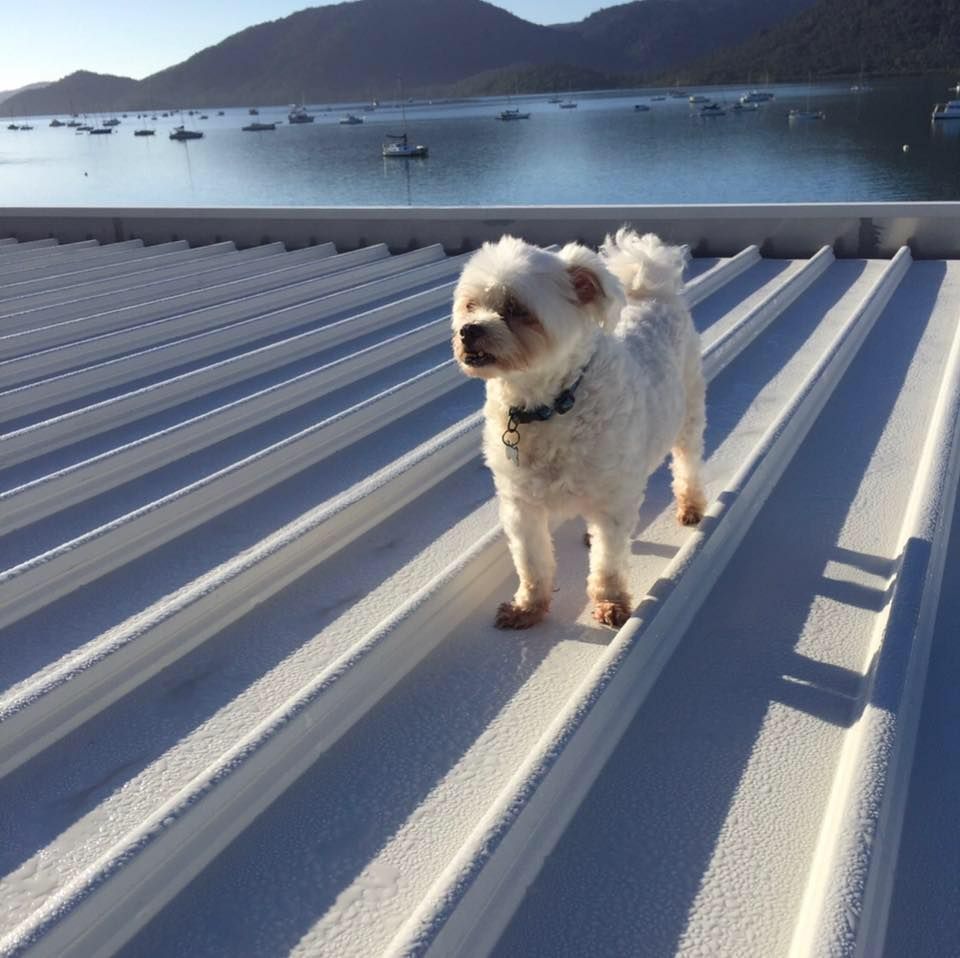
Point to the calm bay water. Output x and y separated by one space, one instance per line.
601 152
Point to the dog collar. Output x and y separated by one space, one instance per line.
520 415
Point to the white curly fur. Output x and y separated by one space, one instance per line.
528 321
645 265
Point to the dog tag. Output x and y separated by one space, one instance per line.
513 454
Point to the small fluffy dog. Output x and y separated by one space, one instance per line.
593 373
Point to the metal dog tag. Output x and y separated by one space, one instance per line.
511 440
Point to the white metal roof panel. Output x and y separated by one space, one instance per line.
251 557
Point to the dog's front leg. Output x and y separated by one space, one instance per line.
528 535
609 549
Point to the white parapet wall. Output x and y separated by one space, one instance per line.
931 230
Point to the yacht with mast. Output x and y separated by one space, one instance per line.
298 113
512 113
806 113
399 146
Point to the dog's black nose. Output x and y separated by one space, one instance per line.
470 333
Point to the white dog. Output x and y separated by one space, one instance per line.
593 373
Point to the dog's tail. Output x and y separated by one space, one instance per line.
647 267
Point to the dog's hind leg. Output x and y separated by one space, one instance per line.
687 452
528 535
609 534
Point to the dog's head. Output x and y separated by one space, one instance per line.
521 309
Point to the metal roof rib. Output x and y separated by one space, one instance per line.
249 557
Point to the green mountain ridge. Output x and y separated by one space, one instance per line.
844 38
356 50
6 94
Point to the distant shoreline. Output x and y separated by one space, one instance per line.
418 97
641 89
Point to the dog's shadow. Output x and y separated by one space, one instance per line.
570 616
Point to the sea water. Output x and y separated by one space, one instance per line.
604 151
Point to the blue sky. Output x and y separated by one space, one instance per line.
47 39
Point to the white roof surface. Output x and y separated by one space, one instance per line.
251 698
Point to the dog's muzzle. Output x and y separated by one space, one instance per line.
470 335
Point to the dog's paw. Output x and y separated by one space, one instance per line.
511 616
611 612
689 514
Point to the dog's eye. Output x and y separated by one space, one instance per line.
469 305
514 310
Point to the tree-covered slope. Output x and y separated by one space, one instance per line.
837 37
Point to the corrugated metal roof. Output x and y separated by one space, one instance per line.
252 558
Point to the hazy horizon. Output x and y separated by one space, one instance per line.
138 38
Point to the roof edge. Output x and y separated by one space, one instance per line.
930 229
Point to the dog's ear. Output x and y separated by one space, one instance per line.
597 290
585 284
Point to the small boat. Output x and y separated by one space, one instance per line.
711 109
12 126
351 119
946 111
25 126
555 99
181 134
641 108
73 123
253 111
144 132
756 96
513 114
861 86
220 113
203 116
258 127
745 107
568 105
401 148
298 114
153 118
101 131
56 122
806 113
657 98
699 98
84 128
113 121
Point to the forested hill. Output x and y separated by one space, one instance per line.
80 91
648 37
843 37
356 50
6 94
